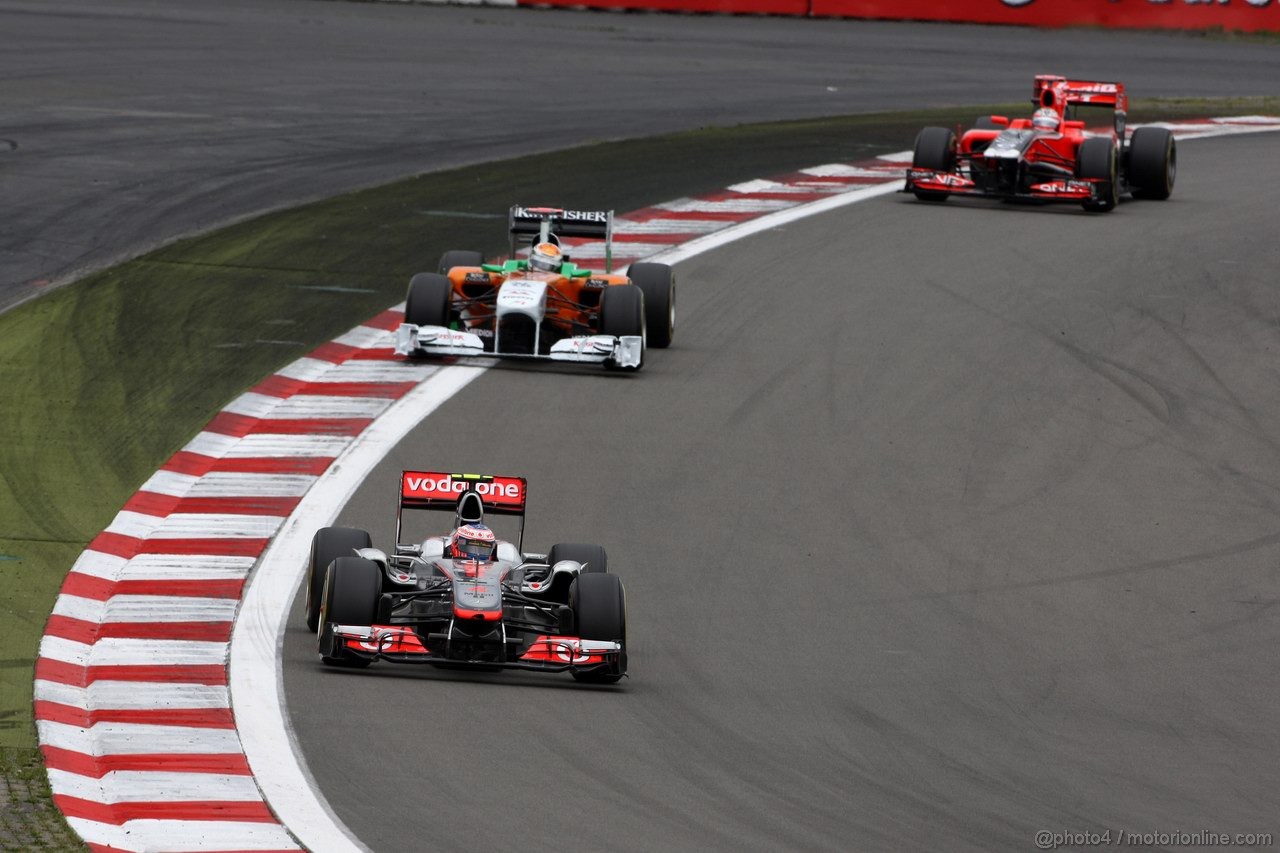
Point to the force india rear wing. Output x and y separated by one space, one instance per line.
528 225
442 492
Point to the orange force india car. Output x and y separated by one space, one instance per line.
562 313
437 602
1075 149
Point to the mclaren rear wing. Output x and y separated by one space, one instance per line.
528 225
443 492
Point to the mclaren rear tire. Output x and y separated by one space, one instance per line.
600 613
592 557
658 281
351 589
327 545
1097 159
428 302
459 258
935 150
1153 163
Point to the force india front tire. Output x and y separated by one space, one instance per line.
428 301
658 282
600 613
622 314
351 589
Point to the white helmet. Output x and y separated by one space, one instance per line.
546 257
1046 120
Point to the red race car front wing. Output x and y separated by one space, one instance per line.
1064 189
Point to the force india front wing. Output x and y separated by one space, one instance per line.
397 644
1063 189
626 351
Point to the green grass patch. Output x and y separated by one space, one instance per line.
104 379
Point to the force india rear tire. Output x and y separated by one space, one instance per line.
459 258
351 589
935 150
327 545
1097 159
428 301
592 557
1153 163
622 314
658 282
600 613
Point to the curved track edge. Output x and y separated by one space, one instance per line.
149 740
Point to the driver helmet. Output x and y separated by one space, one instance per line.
473 542
546 257
1045 120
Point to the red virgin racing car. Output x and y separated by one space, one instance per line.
433 602
1049 157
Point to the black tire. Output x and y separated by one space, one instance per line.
327 545
428 300
351 589
622 312
600 613
1097 159
1153 163
658 282
935 150
459 258
593 557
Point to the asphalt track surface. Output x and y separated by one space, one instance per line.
940 525
127 123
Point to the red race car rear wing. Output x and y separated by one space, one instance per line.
1059 92
433 490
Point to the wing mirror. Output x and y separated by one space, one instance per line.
1000 121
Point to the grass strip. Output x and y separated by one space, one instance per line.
102 380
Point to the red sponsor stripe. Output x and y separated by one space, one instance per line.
264 505
311 426
80 631
387 321
48 669
220 547
389 390
376 354
115 544
97 766
232 424
199 718
151 503
333 352
118 813
100 589
278 386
